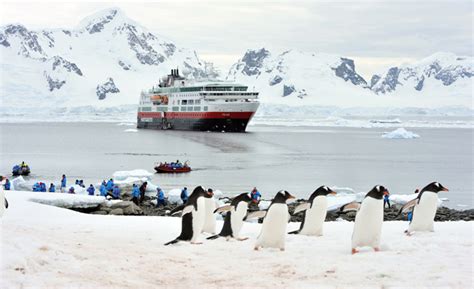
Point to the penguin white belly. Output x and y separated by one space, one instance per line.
368 224
274 227
210 219
315 216
237 218
199 216
2 201
424 213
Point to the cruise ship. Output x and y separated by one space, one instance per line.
181 104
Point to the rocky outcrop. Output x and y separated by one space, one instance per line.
288 89
54 83
108 87
58 61
346 71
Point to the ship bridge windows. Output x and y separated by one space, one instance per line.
197 101
197 108
184 102
240 88
175 108
183 108
191 102
146 108
162 108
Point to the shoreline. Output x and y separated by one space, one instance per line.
148 208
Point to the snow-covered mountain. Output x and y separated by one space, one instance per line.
105 61
295 77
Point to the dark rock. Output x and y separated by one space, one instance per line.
346 71
288 89
99 25
450 74
69 66
390 82
275 80
419 86
105 88
124 65
253 61
375 78
54 83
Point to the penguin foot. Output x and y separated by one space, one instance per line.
408 233
282 249
227 239
196 243
256 248
354 251
377 249
242 238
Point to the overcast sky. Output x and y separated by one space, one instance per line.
376 34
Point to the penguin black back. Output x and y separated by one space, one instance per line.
377 192
227 227
187 219
281 197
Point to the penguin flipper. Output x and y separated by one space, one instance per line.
352 206
255 215
172 242
6 203
408 206
301 207
212 237
176 210
223 209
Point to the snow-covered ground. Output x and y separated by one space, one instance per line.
50 247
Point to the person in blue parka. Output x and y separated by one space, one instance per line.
91 190
7 185
63 183
110 185
256 196
52 188
116 192
102 189
71 190
160 197
184 195
135 194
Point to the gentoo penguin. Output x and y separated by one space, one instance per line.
233 220
274 224
3 200
425 208
210 219
193 216
368 221
315 211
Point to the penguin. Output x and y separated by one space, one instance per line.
193 216
210 219
425 207
315 211
274 224
368 221
233 220
3 200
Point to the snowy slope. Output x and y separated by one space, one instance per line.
295 77
49 247
105 61
300 78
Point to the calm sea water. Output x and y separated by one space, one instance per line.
297 159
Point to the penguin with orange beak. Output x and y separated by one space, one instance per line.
425 208
315 211
274 224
